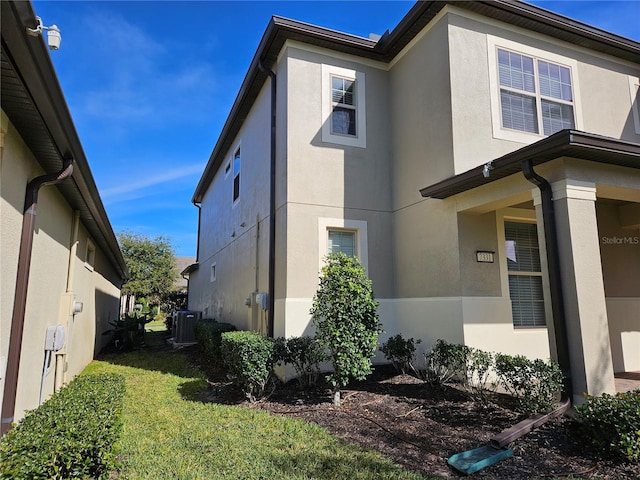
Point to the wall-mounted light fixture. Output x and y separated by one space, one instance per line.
53 34
485 256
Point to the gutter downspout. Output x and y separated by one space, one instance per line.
555 277
22 285
272 202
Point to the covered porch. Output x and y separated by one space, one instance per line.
627 381
582 192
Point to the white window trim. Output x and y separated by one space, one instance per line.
634 91
213 274
493 44
357 226
360 138
227 169
90 255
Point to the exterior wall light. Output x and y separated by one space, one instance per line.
53 34
486 170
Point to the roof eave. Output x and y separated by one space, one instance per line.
565 143
421 14
278 31
31 58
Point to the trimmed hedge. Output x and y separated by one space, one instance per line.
69 436
248 358
612 423
209 336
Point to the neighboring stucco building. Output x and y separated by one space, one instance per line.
409 151
76 268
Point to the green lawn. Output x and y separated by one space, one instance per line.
168 434
156 326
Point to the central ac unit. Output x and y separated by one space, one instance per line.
184 323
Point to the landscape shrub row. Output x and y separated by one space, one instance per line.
611 422
534 383
344 313
249 359
71 435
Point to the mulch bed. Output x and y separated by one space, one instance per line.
420 427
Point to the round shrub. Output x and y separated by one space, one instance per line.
248 359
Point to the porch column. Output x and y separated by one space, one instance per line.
583 288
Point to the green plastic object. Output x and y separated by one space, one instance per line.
473 460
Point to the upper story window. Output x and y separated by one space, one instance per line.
236 175
90 255
343 106
343 115
535 95
534 92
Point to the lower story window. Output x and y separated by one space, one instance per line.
342 241
525 274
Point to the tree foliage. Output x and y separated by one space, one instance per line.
344 312
151 266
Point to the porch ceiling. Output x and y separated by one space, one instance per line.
565 143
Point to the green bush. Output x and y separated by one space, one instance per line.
400 352
344 312
248 358
208 334
470 367
536 384
612 423
69 436
445 362
128 331
476 380
304 353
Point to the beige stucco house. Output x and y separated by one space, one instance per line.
482 160
62 266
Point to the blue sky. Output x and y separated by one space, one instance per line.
150 84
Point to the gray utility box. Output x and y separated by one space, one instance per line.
184 323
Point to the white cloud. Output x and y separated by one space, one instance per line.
136 188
